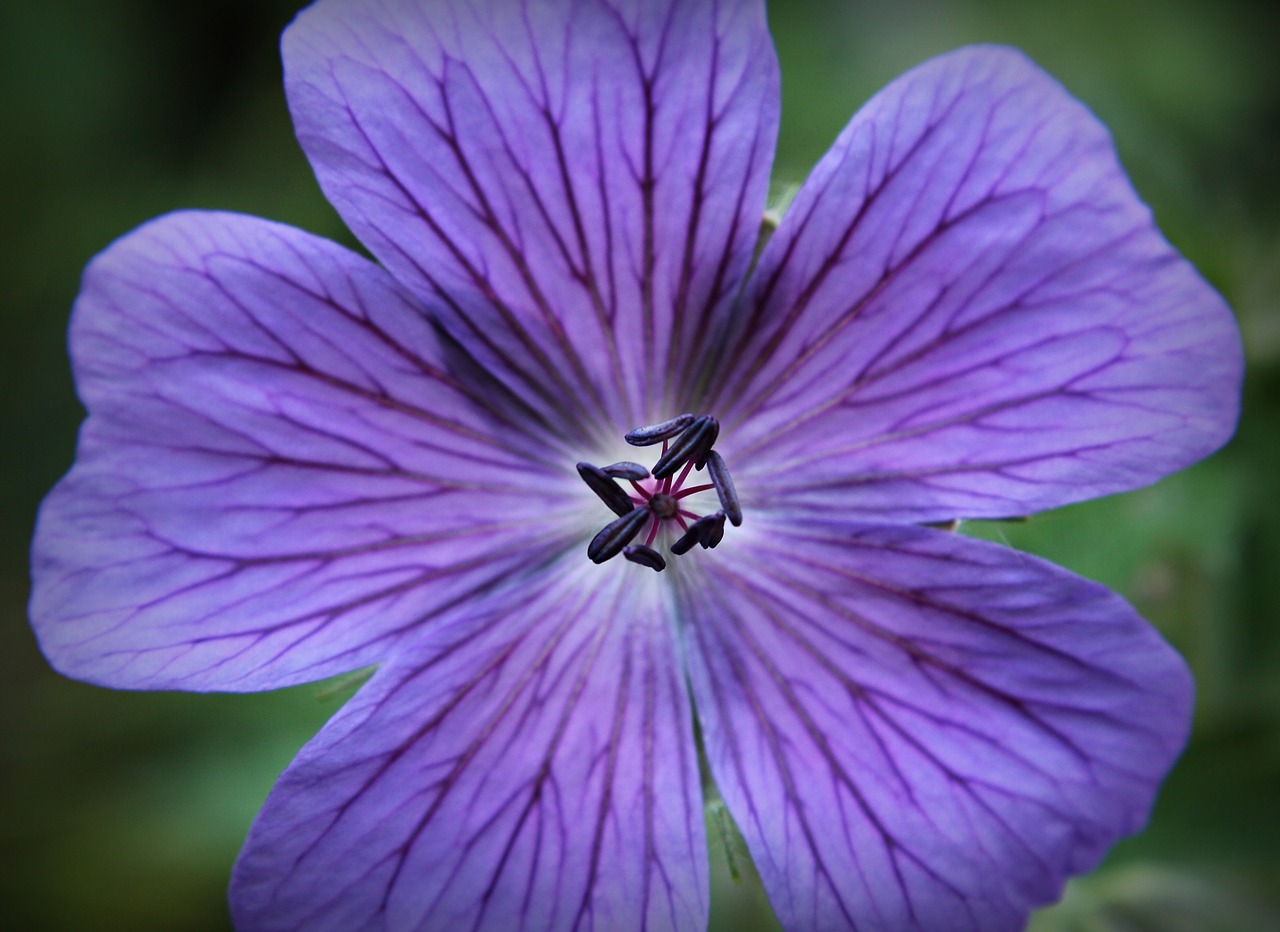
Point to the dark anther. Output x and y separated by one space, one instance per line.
720 478
707 531
617 534
685 543
708 444
610 492
645 556
694 443
661 498
656 433
627 470
712 530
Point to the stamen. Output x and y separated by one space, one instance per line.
610 492
617 534
720 478
656 433
712 530
685 543
626 470
658 497
645 556
694 443
707 531
701 461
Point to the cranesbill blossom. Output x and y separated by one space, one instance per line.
298 462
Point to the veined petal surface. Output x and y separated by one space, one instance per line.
527 766
279 476
917 730
967 312
577 184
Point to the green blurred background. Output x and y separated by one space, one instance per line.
125 811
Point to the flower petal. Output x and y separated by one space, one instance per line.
919 730
575 186
529 766
279 475
968 312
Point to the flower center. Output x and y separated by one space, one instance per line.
687 444
664 506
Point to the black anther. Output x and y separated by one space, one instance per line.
712 530
707 531
686 542
695 442
645 556
720 478
617 534
610 492
656 433
707 444
627 470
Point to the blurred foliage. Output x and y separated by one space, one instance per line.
125 811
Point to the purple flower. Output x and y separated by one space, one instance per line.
298 462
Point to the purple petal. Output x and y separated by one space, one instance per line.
279 477
530 766
574 186
968 312
916 730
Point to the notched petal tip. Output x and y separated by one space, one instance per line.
971 724
250 506
494 153
967 310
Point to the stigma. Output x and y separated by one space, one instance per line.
657 497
